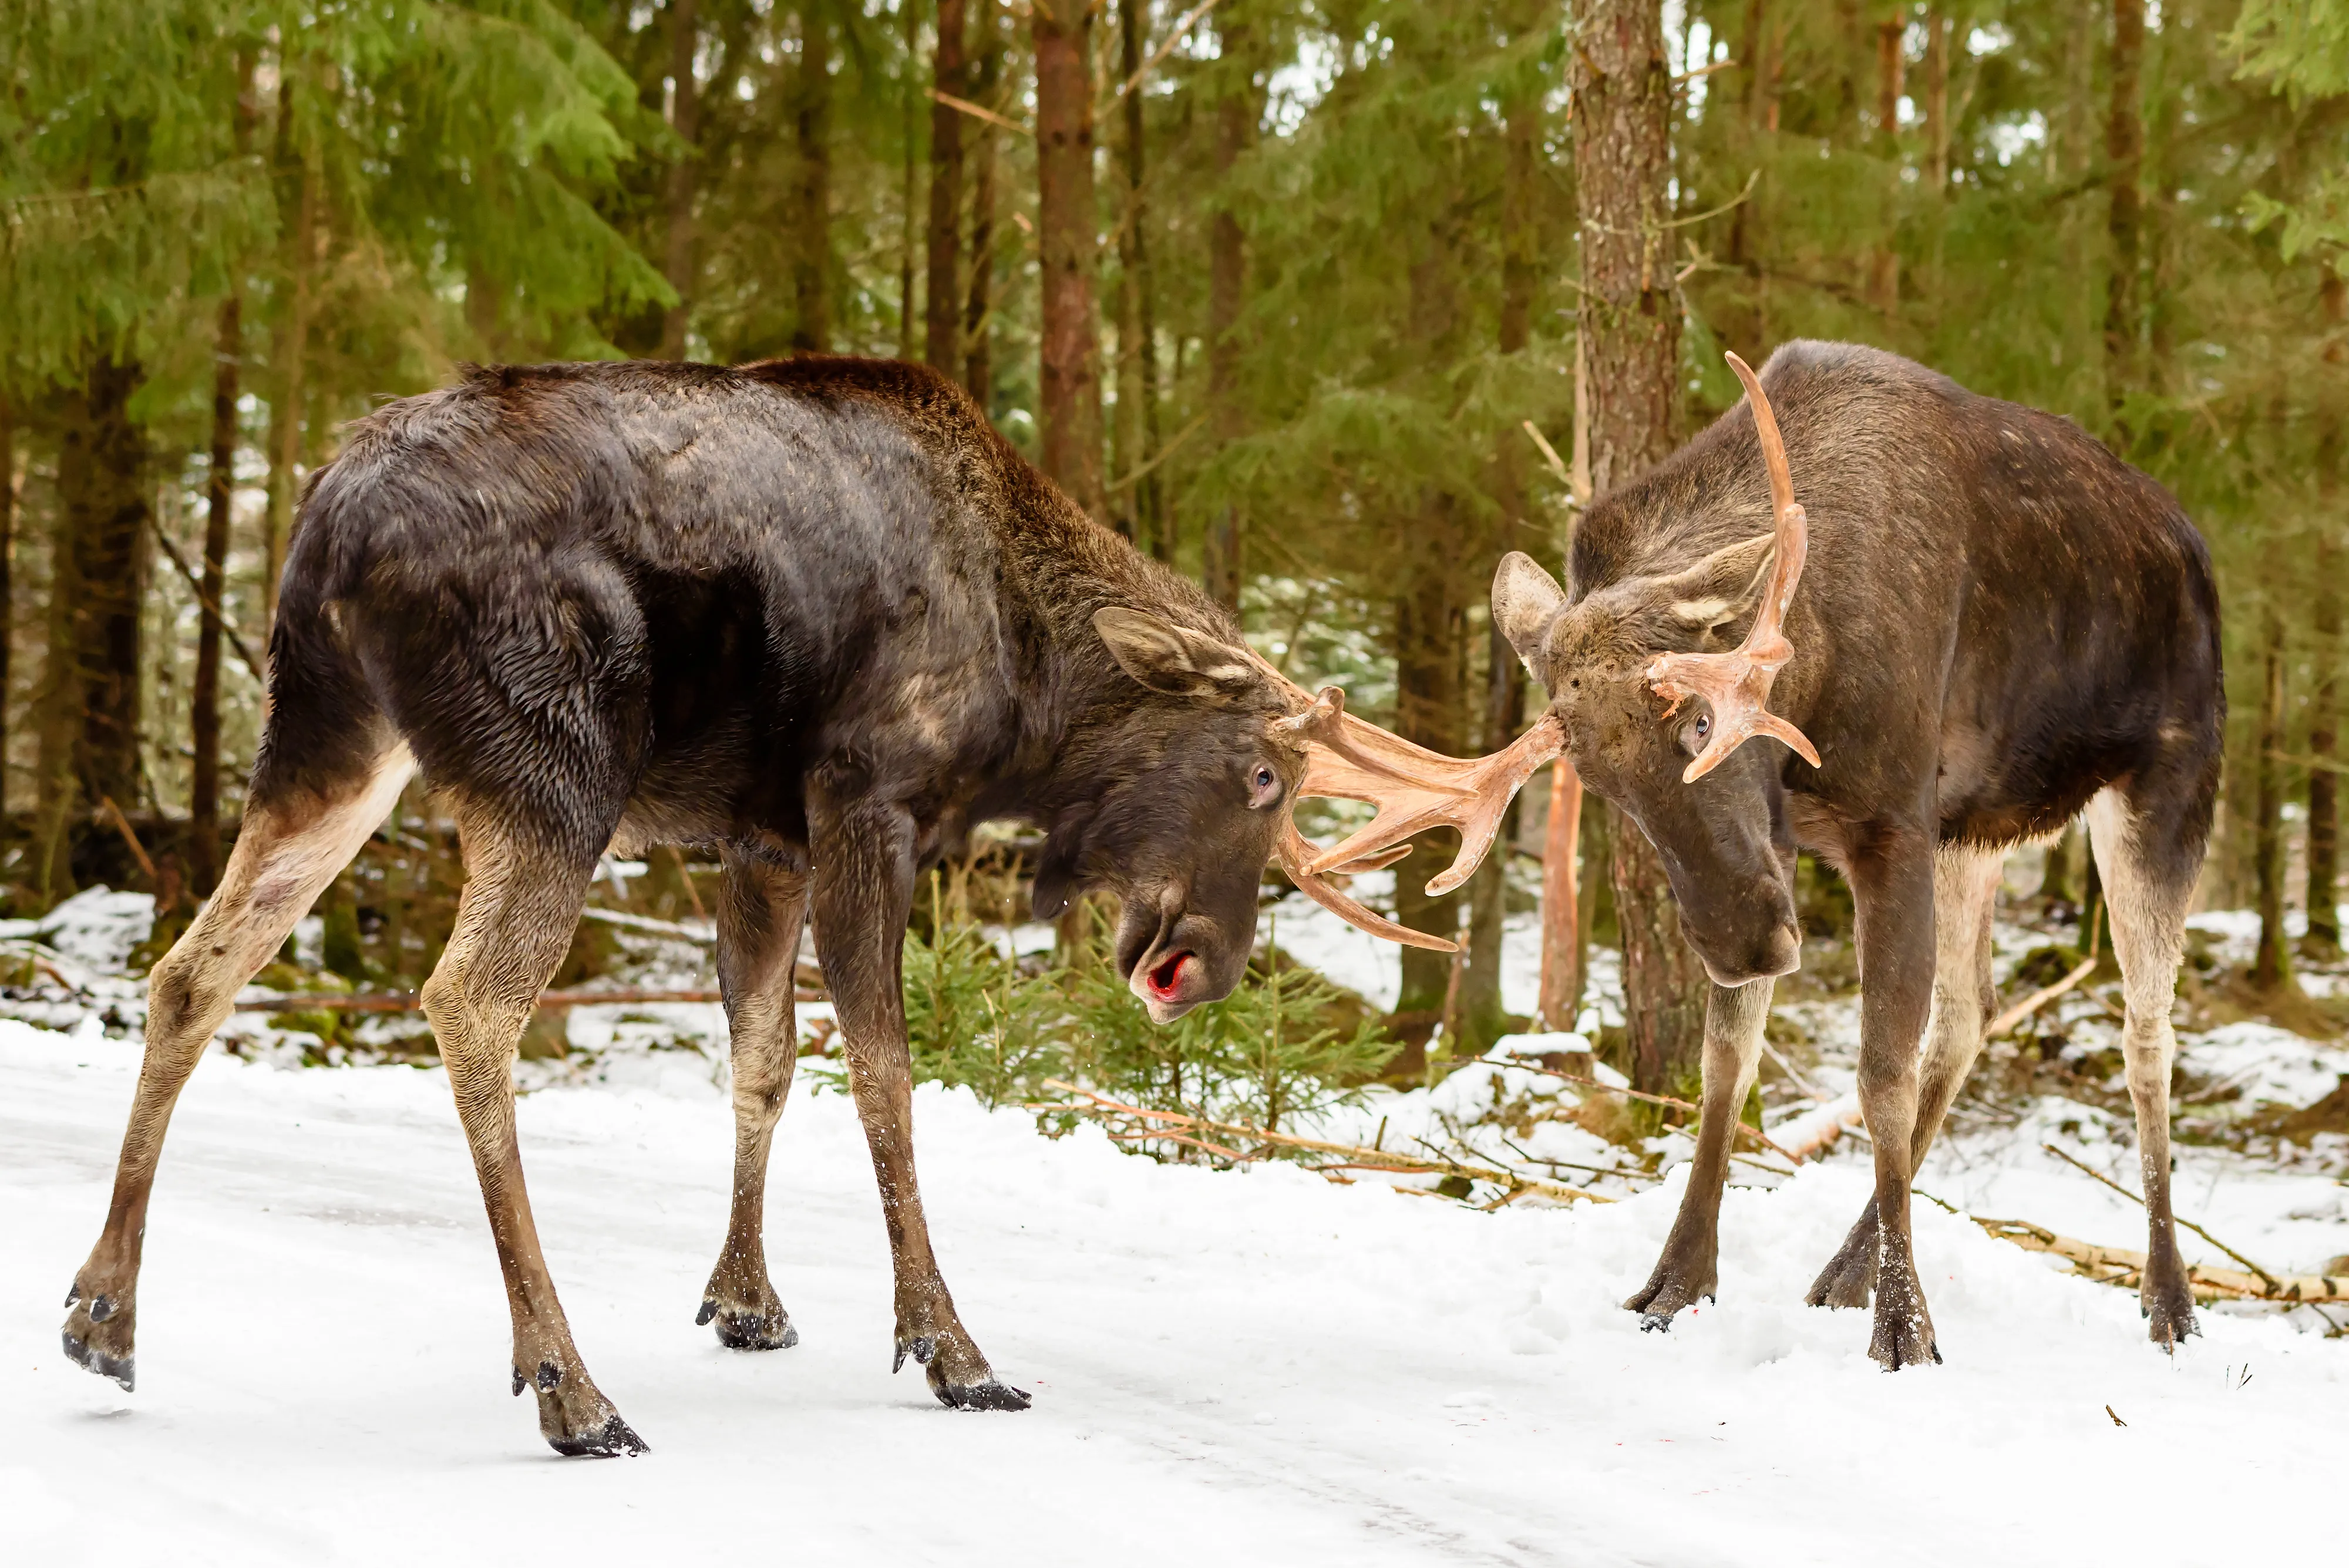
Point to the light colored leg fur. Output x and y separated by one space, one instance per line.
2148 921
514 924
285 855
760 916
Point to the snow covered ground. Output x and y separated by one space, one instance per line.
1247 1366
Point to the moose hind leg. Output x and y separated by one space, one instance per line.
2148 879
759 914
514 924
286 853
1689 1268
1965 889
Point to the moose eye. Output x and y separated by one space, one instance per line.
1696 732
1264 789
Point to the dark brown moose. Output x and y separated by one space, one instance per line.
2001 625
815 614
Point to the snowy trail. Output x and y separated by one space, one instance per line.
1247 1368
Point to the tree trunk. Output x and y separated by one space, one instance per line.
909 14
1070 363
1621 81
978 329
2323 940
1937 101
942 340
203 701
104 495
2124 154
812 118
1136 505
1481 1014
1892 65
220 495
1428 710
2271 966
7 564
1562 934
293 355
1221 559
685 119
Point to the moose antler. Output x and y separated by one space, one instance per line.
1737 684
1414 789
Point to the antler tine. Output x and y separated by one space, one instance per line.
1413 788
1737 684
1294 855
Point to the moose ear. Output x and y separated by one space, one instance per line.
1524 597
1720 588
1174 660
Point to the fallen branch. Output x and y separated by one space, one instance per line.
2099 1176
122 826
1804 1135
410 1002
2118 1265
1355 1157
1754 1133
2039 999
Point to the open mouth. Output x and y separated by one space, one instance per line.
1167 979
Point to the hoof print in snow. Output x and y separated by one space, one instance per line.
121 1370
987 1396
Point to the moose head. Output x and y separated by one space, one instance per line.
1653 706
1183 847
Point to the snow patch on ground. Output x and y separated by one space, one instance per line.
1305 1373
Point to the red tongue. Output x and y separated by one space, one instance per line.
1168 975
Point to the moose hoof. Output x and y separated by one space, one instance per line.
98 1334
123 1369
1850 1278
2169 1309
574 1417
1666 1292
987 1396
1904 1329
742 1328
610 1440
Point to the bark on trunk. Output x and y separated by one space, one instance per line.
1069 382
812 118
104 497
978 330
909 14
2271 965
2124 154
293 354
8 564
1936 106
1481 1014
1221 560
1891 66
1621 81
220 494
2323 900
1562 932
203 698
685 119
942 340
1135 507
1428 712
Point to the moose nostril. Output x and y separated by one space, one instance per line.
1167 977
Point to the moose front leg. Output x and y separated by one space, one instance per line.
1734 1017
862 887
759 913
1893 889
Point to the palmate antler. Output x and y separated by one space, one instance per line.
1414 789
1737 684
